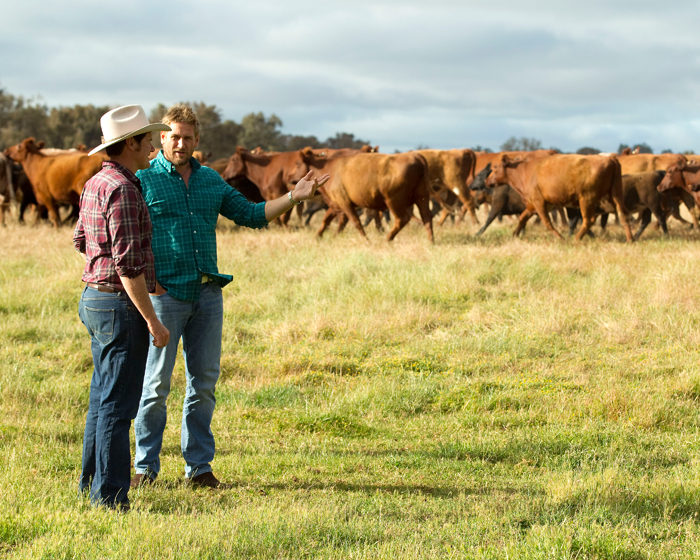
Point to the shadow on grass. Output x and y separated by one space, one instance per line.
154 499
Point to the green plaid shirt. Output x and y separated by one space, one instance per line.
184 223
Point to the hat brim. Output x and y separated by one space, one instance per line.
150 128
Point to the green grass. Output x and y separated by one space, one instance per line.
479 398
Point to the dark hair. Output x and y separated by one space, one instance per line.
118 148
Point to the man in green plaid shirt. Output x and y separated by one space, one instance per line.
184 200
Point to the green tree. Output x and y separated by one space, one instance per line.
292 142
68 127
345 140
20 119
521 144
257 131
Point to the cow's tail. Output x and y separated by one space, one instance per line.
618 196
422 196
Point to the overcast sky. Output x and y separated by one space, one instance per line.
442 74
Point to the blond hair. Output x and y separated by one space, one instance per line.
183 114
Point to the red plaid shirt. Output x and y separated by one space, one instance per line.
114 229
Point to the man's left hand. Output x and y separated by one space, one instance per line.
306 188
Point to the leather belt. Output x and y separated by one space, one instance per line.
103 288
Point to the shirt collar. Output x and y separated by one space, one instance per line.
123 170
170 167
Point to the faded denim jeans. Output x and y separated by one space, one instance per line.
200 326
119 343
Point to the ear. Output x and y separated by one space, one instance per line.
163 136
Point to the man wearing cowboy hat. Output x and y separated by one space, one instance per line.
185 200
114 235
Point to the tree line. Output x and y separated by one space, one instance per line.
69 127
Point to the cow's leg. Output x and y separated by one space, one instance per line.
377 217
645 221
53 213
496 208
351 213
619 201
468 205
587 218
342 222
660 215
327 219
400 220
522 221
444 214
284 219
426 217
541 210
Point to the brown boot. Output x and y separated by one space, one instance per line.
140 480
207 480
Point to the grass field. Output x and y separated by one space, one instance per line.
479 398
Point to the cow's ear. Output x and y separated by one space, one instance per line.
307 152
240 150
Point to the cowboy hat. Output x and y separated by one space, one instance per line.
124 122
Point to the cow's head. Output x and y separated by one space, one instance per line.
296 169
673 179
20 151
479 182
498 175
236 165
315 159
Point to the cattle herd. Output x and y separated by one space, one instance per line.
442 183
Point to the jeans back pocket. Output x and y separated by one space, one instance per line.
100 324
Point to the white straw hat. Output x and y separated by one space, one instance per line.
125 122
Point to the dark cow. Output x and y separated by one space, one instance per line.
504 200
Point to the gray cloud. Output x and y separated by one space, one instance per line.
443 74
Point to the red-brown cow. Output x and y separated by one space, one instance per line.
56 179
686 177
452 170
563 180
640 163
273 173
378 182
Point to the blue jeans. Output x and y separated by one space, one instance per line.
119 343
200 326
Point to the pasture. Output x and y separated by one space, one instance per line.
480 398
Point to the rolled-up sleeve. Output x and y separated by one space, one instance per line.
124 230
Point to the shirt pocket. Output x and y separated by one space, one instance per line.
100 324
